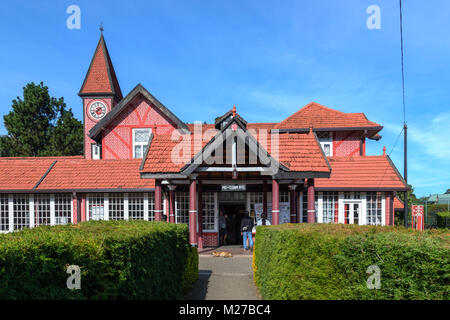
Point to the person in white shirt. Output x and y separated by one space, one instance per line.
263 221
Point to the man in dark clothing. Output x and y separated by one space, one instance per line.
246 230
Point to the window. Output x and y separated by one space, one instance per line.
41 209
208 204
374 208
256 197
304 208
326 142
136 206
96 206
182 207
284 196
21 209
116 208
151 206
96 151
330 207
63 208
4 213
140 141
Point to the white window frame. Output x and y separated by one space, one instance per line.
134 143
327 141
351 204
98 148
4 210
213 199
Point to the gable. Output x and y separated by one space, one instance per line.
123 105
117 136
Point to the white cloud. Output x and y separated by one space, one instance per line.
434 137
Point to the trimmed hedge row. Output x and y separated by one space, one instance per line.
327 261
117 259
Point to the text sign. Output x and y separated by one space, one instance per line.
417 210
233 187
417 221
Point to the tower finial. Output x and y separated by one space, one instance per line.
234 111
384 150
101 27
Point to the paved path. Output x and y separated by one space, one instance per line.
224 278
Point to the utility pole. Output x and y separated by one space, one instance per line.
405 174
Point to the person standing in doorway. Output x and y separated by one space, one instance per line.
263 221
222 228
246 230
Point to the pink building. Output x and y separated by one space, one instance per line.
142 162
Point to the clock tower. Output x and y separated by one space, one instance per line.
100 92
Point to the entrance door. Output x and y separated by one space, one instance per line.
352 212
234 214
232 204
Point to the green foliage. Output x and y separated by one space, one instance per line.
40 125
443 219
118 260
327 261
431 216
191 271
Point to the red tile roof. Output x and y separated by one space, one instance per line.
70 173
82 174
297 151
101 77
22 173
398 204
366 172
320 116
301 152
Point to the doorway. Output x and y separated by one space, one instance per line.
352 212
233 215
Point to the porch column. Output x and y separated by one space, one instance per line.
265 196
392 209
200 215
193 211
158 200
275 202
75 208
172 204
311 202
83 207
292 197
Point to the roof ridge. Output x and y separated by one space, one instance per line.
307 106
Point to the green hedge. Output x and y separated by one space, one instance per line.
443 219
118 260
326 261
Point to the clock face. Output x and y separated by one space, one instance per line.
97 110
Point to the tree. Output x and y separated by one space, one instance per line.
66 138
40 125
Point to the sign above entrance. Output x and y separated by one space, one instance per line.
233 187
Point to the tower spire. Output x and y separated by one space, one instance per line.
101 78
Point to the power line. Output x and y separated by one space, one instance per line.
405 127
403 69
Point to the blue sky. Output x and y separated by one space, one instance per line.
270 58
